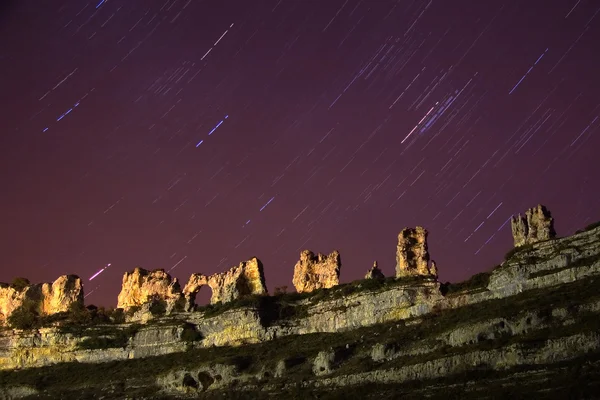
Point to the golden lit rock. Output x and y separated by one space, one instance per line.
316 271
244 279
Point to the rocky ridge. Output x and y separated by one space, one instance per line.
385 332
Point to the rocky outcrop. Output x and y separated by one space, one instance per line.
412 256
537 225
61 294
317 271
43 299
241 280
142 286
374 272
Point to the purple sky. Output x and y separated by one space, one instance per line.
191 135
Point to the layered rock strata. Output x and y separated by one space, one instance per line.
319 271
43 299
544 267
537 225
412 255
244 279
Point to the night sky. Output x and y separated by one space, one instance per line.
191 135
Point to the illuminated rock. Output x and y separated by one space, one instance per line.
537 225
316 271
412 256
244 279
42 299
142 286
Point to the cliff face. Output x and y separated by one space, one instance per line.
531 324
44 299
241 280
319 271
528 327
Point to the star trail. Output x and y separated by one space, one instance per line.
192 135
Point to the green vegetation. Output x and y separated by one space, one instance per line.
477 281
158 307
190 333
589 227
24 317
352 349
20 284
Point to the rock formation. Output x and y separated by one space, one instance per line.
315 272
374 272
412 257
241 280
61 294
44 299
142 286
537 225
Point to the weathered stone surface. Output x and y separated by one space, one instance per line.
241 280
60 295
545 265
537 225
142 286
323 364
316 271
374 272
44 298
412 256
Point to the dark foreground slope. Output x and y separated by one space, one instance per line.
535 336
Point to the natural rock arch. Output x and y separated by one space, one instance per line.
241 280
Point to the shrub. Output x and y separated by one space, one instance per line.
25 316
477 281
158 307
20 284
190 333
592 226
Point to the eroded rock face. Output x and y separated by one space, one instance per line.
316 272
241 280
537 225
374 272
412 256
142 286
44 298
62 294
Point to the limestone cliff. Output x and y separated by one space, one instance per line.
528 328
141 287
244 279
537 225
316 272
412 256
61 294
43 299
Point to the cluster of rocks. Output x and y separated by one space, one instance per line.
42 298
141 287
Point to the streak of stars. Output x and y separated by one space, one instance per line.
191 136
